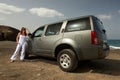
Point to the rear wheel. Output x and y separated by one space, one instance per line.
67 60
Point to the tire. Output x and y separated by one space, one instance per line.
67 60
27 55
26 51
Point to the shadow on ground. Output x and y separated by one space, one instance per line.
105 66
35 58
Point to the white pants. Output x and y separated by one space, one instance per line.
20 47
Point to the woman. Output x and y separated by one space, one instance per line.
20 39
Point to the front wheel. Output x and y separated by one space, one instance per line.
27 55
67 60
27 52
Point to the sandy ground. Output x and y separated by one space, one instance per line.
38 68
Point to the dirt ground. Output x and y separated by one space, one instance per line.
38 68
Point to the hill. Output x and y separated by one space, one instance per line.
8 33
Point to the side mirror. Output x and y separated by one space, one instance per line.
29 35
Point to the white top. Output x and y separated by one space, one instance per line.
22 39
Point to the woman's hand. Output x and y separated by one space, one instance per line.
17 42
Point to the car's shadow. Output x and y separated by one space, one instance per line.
104 66
35 58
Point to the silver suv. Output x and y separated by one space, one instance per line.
70 41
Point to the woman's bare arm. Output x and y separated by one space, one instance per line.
17 38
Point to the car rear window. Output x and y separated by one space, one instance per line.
78 24
98 25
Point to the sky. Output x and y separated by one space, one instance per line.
35 13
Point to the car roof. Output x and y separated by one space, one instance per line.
69 19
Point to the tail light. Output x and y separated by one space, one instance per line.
94 38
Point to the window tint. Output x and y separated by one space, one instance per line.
77 25
98 25
39 32
53 29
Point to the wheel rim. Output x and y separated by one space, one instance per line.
65 61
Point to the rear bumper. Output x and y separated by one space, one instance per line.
103 51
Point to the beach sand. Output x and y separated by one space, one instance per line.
38 68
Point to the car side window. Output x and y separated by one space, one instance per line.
39 32
77 25
53 29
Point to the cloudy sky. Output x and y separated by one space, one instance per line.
34 13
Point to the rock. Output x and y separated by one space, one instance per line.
8 33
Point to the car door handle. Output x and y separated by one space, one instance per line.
40 39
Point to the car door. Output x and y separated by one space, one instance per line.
51 37
37 40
